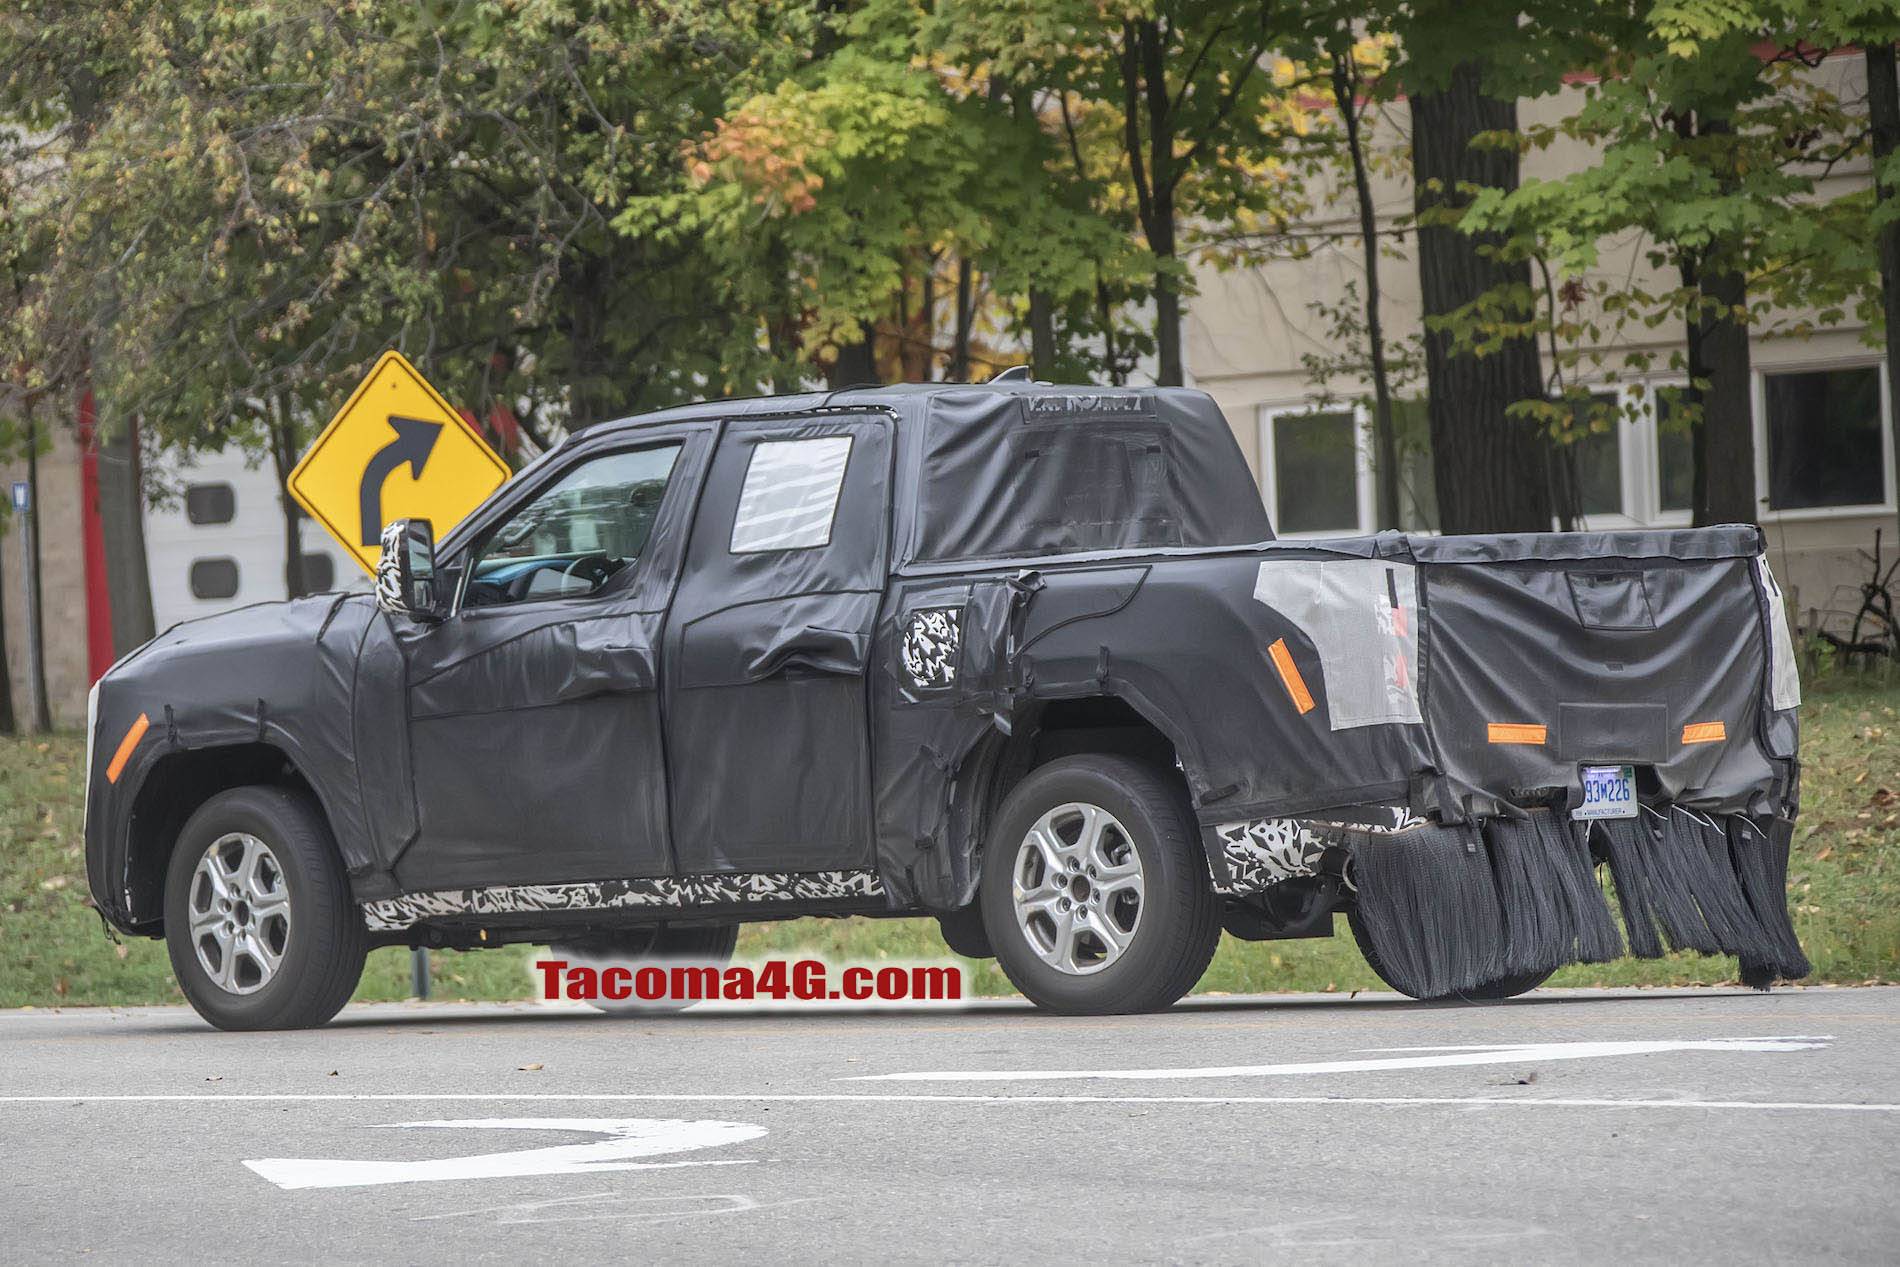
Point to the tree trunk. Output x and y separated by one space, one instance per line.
595 379
122 523
9 724
959 368
1384 435
1151 168
283 452
36 629
1883 116
857 362
1490 468
1168 370
1723 442
1042 334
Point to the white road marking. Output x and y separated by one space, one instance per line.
1442 1058
618 1207
609 1097
626 1139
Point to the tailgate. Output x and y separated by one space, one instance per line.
1666 651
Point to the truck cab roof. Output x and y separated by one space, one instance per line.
1019 469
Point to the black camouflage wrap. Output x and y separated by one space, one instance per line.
996 552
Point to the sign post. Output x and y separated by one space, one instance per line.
396 450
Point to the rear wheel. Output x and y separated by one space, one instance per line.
259 922
662 945
1095 892
1487 992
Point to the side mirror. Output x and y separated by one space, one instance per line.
405 575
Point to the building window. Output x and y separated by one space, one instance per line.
1675 453
214 578
319 573
1315 472
1418 486
1594 458
210 503
1824 438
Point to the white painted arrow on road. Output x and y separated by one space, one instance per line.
626 1139
1440 1058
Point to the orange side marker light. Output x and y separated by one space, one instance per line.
124 753
1704 732
1290 676
1516 732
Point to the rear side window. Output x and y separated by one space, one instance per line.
1062 471
790 495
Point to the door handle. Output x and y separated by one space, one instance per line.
808 652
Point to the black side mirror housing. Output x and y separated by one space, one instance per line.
405 575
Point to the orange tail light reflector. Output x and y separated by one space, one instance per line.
1290 676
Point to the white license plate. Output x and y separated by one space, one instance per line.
1609 791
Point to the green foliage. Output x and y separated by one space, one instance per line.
856 168
1709 152
248 204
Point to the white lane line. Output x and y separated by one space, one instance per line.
1476 1101
1512 1055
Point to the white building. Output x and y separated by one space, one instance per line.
219 543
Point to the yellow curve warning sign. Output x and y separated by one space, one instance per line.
396 450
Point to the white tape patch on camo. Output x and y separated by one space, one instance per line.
1439 1058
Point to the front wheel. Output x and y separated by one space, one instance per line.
659 945
1095 892
259 922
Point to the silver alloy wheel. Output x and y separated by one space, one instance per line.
239 908
1077 888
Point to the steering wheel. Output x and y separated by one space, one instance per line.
591 570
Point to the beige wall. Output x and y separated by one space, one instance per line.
1248 329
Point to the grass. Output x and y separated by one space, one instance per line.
1844 889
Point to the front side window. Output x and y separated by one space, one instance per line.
1824 438
579 535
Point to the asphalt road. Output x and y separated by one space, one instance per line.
1564 1127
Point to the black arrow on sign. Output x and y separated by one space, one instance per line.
415 440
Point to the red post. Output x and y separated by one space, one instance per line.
99 649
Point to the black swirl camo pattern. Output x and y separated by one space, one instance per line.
389 570
397 913
931 638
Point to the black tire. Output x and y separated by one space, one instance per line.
324 941
1488 992
709 945
1178 927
